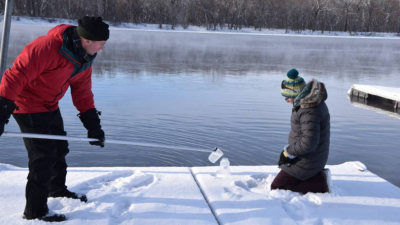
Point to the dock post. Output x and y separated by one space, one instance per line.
5 36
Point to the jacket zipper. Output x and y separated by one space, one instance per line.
73 74
77 69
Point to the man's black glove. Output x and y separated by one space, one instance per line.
7 107
91 122
97 134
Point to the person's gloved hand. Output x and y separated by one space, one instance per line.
98 134
91 122
7 107
283 159
286 159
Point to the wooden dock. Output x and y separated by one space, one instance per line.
377 93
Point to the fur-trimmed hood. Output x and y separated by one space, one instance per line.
311 95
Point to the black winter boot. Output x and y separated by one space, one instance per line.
49 217
68 194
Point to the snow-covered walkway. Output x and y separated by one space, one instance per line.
171 195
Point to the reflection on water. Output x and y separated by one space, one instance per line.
377 104
216 90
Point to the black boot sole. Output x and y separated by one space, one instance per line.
53 218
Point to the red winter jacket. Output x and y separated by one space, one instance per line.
42 73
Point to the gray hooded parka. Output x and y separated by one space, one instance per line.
310 132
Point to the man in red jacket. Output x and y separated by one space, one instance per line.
31 89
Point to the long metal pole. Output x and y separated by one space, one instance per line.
59 137
5 36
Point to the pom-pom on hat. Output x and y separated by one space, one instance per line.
93 28
292 85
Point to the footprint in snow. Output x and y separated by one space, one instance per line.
299 207
137 181
259 184
101 181
295 209
120 207
313 199
232 193
120 182
244 185
263 181
119 195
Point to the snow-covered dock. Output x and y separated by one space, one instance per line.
370 91
181 195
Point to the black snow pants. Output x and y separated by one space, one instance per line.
47 165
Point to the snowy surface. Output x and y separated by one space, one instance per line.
384 92
358 197
116 196
35 21
170 195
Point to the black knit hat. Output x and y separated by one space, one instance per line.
93 28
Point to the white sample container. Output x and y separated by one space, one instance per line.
215 155
224 164
224 168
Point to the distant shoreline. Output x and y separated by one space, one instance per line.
38 21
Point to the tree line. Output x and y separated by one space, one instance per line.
351 16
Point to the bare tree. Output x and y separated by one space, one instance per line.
297 15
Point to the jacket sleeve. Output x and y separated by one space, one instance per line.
81 91
35 58
310 134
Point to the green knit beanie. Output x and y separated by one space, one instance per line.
292 85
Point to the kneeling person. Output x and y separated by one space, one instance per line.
303 160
